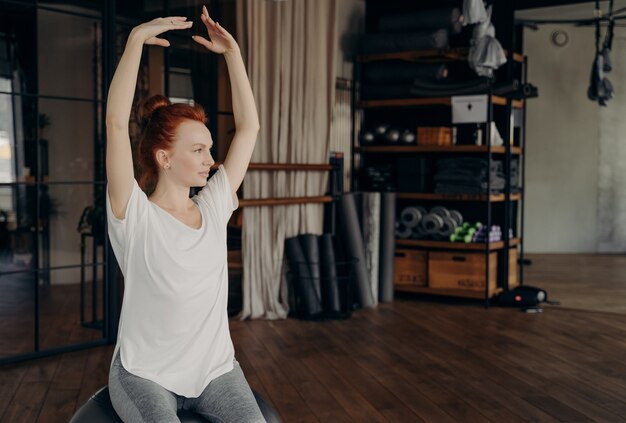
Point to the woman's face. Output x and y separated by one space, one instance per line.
190 159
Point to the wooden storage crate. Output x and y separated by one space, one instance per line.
411 267
436 135
461 271
513 268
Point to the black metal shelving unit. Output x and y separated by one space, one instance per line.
359 156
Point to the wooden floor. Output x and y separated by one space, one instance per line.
59 320
594 282
408 361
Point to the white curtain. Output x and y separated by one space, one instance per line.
289 49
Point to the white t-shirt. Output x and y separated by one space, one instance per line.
174 323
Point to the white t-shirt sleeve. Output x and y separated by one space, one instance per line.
217 194
121 230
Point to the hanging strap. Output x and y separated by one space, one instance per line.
598 12
608 40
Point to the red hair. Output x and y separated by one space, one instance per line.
159 118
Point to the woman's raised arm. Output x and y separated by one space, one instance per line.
119 161
244 108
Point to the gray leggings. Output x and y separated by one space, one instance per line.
227 398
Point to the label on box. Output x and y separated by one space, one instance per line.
469 109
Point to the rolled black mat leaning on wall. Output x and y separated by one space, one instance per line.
331 300
310 247
352 240
307 301
324 270
387 246
318 279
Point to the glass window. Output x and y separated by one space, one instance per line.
181 89
18 125
191 70
18 48
17 227
72 214
68 140
7 135
70 55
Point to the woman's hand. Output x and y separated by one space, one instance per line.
221 42
148 32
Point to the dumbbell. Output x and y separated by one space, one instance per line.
466 232
494 234
392 136
380 130
407 137
367 137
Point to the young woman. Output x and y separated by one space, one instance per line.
174 348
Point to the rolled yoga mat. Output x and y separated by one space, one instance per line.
381 72
432 224
331 301
424 88
402 231
448 228
386 91
387 246
370 224
346 292
407 41
516 89
507 87
308 304
411 217
310 248
352 239
418 232
440 211
449 18
457 217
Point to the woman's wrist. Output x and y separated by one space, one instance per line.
134 37
233 52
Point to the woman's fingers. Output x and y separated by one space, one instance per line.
175 18
205 12
205 16
221 29
220 39
176 22
158 42
208 22
173 24
203 41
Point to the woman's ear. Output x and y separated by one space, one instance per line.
163 159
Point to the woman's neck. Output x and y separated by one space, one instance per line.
171 197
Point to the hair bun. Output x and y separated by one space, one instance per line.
148 107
